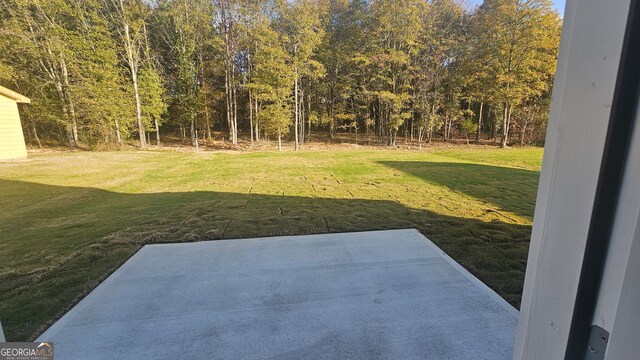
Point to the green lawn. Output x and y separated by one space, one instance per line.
69 219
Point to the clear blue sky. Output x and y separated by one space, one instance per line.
558 4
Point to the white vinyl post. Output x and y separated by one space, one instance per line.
590 48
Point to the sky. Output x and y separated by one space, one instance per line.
558 4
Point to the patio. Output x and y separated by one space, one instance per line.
368 295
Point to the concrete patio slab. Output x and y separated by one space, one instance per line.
369 295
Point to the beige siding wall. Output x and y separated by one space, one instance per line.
12 144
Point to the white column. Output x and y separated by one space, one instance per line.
590 49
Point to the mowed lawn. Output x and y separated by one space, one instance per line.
67 220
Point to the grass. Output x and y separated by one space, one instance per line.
67 220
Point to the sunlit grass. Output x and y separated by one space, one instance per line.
69 219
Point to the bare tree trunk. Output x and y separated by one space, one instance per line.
192 133
51 66
227 90
208 124
297 111
157 132
332 119
72 111
133 60
505 129
412 131
251 116
302 118
118 135
309 116
446 122
279 140
356 130
139 112
523 132
195 132
230 84
234 107
257 132
35 135
479 123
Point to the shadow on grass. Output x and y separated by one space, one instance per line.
510 189
57 243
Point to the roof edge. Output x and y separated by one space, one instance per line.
14 95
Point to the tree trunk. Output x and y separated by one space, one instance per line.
302 118
195 133
35 135
51 65
227 100
309 116
297 108
157 132
207 117
71 107
257 132
406 133
192 133
494 126
118 135
332 119
505 129
479 123
412 130
133 61
138 112
446 122
235 108
230 69
523 132
279 140
251 116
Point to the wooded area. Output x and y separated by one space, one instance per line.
108 72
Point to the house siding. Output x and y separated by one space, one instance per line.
12 145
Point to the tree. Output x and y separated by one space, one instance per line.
182 26
518 41
67 59
102 71
40 28
153 104
271 80
229 17
129 21
467 126
301 24
395 27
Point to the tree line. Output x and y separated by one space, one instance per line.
105 72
